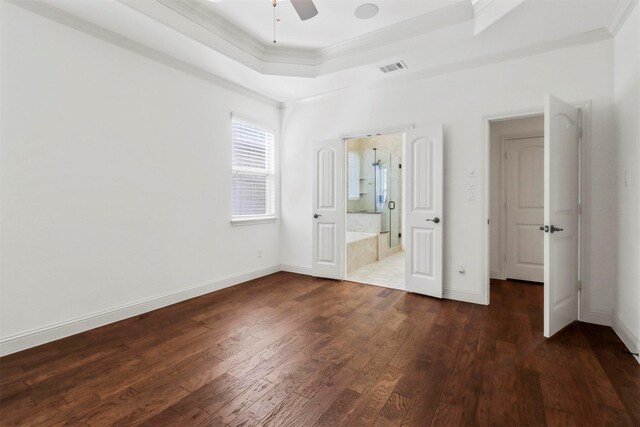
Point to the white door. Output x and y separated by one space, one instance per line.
525 208
561 214
424 211
327 215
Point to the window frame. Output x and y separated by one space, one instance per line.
256 219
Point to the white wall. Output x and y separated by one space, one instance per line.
500 129
626 320
459 100
115 183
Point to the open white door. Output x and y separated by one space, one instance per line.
561 214
327 209
424 210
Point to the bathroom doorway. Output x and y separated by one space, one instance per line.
374 209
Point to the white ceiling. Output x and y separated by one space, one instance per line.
335 22
440 40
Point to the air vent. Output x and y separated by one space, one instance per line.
394 67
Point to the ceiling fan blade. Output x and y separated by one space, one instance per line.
305 8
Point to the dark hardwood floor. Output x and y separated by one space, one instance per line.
294 350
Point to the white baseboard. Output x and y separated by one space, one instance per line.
627 336
464 296
596 317
300 269
498 275
22 341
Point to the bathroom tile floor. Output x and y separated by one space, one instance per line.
387 272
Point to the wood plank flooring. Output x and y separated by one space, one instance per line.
291 350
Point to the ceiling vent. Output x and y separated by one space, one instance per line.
394 67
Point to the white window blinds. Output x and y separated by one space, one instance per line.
253 182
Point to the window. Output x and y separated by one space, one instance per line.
253 164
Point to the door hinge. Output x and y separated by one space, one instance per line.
400 165
399 235
579 285
579 209
580 132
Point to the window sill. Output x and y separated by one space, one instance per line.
255 220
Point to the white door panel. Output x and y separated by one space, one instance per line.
424 213
561 214
525 208
327 209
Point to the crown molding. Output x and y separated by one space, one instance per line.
210 29
240 39
480 61
478 5
47 10
620 15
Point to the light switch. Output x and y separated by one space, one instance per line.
471 185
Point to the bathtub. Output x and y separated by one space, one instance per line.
362 249
354 236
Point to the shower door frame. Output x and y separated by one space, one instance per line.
401 130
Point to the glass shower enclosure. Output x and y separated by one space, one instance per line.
387 199
375 186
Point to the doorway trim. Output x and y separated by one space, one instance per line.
585 313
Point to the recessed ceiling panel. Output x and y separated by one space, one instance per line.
334 24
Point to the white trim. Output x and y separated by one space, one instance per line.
444 69
626 336
35 337
307 270
620 15
498 275
377 132
254 121
585 214
596 317
239 221
53 13
478 5
222 35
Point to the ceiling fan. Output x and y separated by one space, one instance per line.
305 8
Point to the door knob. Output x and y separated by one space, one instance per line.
435 220
553 229
316 215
